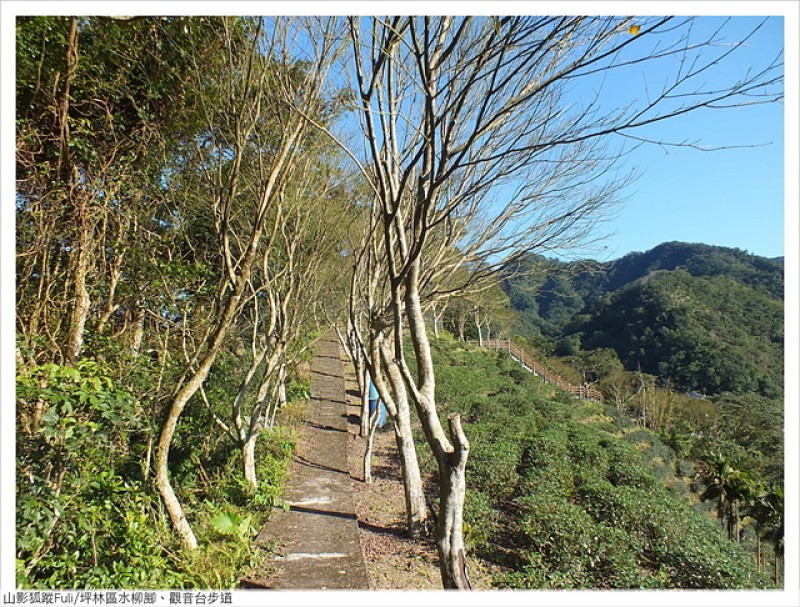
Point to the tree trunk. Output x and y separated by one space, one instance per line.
249 461
451 458
759 564
80 245
171 502
282 400
416 508
138 331
373 425
148 456
113 281
363 386
478 325
80 257
449 526
731 525
400 414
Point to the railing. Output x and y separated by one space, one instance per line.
523 358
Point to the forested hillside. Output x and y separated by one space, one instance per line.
697 259
549 292
704 334
701 318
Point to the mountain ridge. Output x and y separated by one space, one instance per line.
700 317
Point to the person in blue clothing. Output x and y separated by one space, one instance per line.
374 402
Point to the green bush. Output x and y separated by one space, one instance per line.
480 519
558 503
86 514
80 524
493 463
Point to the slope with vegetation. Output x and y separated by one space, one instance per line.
704 334
688 341
548 292
700 318
568 494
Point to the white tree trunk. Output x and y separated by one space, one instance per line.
171 502
363 381
449 526
373 425
416 508
282 400
451 458
397 406
249 461
138 331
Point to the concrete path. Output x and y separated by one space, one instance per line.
317 539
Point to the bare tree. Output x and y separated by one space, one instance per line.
284 296
478 149
370 310
254 111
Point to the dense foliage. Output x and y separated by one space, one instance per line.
86 515
563 496
708 334
700 318
140 166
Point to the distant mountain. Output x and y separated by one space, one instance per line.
698 316
707 333
760 273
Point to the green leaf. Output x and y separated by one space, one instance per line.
71 373
51 416
226 523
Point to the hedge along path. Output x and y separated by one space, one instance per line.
317 539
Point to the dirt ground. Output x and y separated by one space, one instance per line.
393 560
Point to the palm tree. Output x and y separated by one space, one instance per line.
767 510
730 488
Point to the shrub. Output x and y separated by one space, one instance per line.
480 519
493 464
80 524
562 504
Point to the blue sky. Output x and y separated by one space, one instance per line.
730 197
